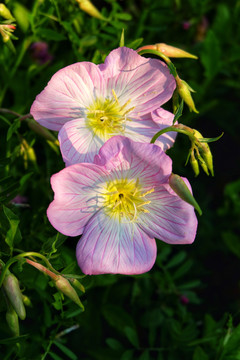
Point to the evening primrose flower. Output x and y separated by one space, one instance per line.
88 103
120 203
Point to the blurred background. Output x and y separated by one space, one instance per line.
187 306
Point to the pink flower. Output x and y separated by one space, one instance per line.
90 103
120 203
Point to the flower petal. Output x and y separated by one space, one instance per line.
147 82
78 143
170 219
108 246
67 95
77 197
147 126
129 159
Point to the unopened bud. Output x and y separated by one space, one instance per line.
12 320
65 287
26 300
203 164
194 163
90 9
180 188
205 153
5 13
184 91
174 52
14 295
77 284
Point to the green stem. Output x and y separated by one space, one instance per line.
19 257
173 128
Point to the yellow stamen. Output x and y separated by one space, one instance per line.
107 117
124 199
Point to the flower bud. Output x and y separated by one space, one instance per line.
14 295
203 164
77 284
194 163
206 155
65 287
90 9
26 300
180 188
5 13
12 320
184 91
174 52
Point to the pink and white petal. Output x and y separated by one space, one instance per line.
108 246
77 197
170 219
132 160
146 82
144 129
164 119
78 143
67 95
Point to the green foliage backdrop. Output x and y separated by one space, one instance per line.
187 306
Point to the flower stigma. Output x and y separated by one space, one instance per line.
106 117
125 199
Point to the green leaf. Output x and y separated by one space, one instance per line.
13 340
232 242
66 350
117 317
50 34
124 16
199 354
135 43
176 260
144 356
54 356
14 232
132 336
13 128
21 14
179 111
114 344
211 55
127 355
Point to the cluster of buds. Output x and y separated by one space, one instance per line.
166 52
7 26
14 301
200 153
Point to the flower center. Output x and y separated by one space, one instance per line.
106 117
125 199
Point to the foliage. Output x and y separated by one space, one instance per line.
187 306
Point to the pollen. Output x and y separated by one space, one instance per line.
107 117
125 199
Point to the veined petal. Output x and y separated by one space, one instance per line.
147 82
108 246
67 95
78 143
169 219
129 159
144 128
77 197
